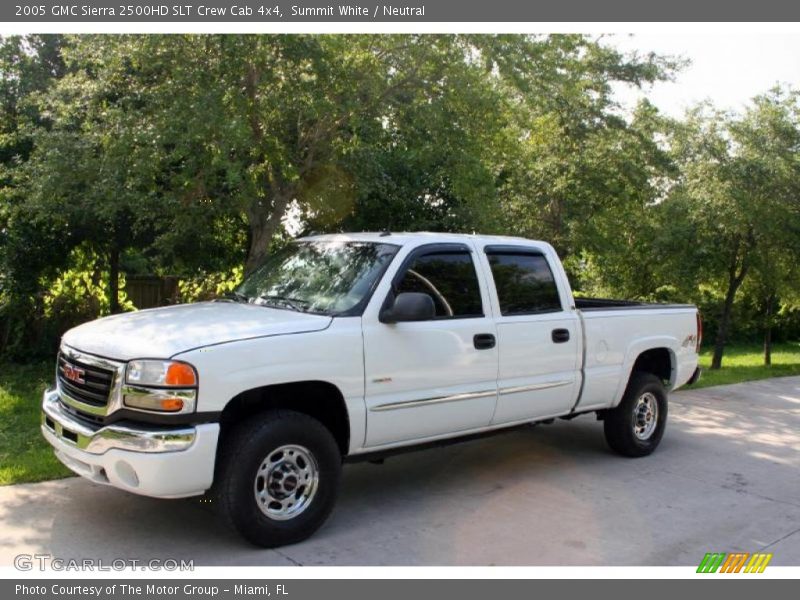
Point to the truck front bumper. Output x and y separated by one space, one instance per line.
163 462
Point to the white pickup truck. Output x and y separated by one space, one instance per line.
355 346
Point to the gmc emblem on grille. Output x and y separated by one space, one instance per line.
73 373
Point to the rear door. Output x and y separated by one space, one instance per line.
435 377
539 335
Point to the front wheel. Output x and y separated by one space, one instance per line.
278 478
635 427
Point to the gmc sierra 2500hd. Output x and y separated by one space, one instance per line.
348 346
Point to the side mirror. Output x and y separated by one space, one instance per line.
409 306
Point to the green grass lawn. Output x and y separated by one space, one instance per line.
26 457
746 363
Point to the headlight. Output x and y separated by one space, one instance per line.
161 372
152 385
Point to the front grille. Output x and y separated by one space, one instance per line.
89 384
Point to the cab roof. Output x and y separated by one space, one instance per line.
417 237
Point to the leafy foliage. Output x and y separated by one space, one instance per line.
196 156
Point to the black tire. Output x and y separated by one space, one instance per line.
620 424
242 453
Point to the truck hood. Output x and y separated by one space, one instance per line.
165 332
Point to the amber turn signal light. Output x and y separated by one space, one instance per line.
180 374
171 404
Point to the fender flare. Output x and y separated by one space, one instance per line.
636 349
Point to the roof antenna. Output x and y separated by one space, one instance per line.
385 233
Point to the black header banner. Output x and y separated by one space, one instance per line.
440 11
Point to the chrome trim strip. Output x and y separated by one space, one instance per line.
90 359
99 411
102 439
130 393
535 386
469 396
431 401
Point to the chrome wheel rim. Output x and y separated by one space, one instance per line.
286 482
645 416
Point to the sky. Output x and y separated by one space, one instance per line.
727 69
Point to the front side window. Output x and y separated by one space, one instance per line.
524 283
318 276
449 278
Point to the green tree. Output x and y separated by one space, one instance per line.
259 123
769 142
739 179
28 248
577 156
188 154
248 126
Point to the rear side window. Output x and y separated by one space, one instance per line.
524 283
450 279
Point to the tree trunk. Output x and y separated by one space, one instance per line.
770 304
267 208
264 224
724 325
113 280
6 333
734 282
260 236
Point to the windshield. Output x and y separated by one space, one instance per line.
320 277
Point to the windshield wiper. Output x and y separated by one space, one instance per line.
235 296
292 303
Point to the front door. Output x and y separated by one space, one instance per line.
437 377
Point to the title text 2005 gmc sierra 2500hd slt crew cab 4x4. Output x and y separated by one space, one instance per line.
356 345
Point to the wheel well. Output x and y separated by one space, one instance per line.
657 361
318 399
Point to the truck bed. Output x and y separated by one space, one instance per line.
615 330
590 304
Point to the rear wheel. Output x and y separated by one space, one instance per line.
278 478
636 426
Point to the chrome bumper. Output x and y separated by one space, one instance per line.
59 424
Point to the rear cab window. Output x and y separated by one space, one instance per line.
523 280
